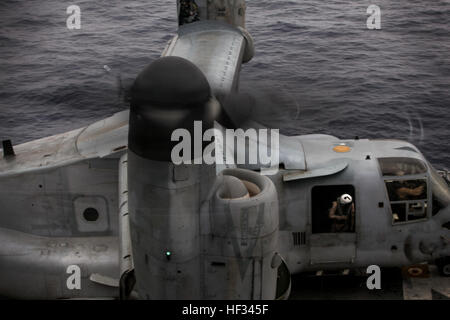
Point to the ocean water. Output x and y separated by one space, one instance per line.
317 66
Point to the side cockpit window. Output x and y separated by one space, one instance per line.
407 190
408 196
408 199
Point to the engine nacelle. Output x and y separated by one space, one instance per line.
240 257
194 235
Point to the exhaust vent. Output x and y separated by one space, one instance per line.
299 238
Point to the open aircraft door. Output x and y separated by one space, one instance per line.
331 245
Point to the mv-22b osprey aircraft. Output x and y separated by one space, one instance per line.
107 203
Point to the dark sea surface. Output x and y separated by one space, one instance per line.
317 65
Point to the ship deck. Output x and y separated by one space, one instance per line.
395 285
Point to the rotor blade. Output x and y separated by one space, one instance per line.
266 107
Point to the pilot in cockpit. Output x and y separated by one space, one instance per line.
342 214
406 189
188 12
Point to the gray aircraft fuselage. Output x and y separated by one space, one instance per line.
82 198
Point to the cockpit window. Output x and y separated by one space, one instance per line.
407 190
408 199
401 166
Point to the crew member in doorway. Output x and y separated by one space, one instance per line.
342 214
188 12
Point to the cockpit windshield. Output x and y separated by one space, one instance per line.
401 166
